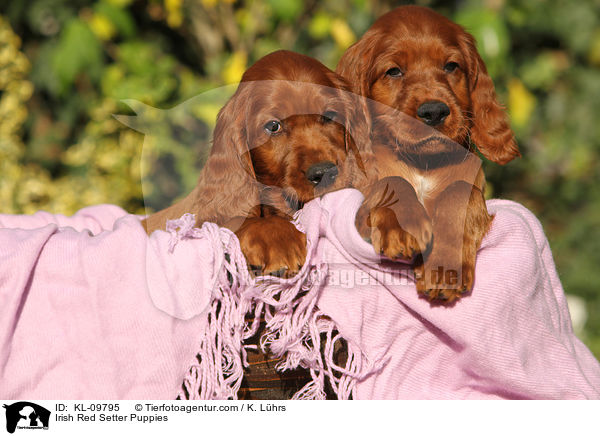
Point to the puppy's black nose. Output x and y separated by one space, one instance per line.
322 174
433 112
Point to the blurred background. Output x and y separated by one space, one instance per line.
67 65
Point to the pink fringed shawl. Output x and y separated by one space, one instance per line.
91 308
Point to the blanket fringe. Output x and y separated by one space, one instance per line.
218 371
297 332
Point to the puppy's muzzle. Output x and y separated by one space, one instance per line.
322 174
433 112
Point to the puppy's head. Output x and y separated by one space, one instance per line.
424 65
295 128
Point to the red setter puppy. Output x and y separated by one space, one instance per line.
418 62
291 132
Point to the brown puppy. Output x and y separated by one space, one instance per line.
420 63
290 133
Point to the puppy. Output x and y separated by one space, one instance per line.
291 132
418 62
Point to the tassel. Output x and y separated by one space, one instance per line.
294 324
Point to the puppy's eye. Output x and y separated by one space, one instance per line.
450 67
394 72
329 116
272 127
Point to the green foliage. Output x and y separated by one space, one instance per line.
77 50
81 61
286 10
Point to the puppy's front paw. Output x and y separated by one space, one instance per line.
439 279
272 246
394 221
397 240
448 272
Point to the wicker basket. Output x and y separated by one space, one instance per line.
262 382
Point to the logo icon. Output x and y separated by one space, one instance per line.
26 415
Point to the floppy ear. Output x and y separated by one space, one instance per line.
490 131
357 126
358 140
227 187
355 65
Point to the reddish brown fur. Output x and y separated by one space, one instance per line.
421 43
253 182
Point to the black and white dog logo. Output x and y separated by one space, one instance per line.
26 415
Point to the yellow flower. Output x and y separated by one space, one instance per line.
521 103
594 50
342 34
234 67
320 25
207 112
174 13
79 154
120 3
102 27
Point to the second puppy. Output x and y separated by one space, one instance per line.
415 61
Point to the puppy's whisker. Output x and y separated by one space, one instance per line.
292 200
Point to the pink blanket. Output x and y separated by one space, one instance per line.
91 308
